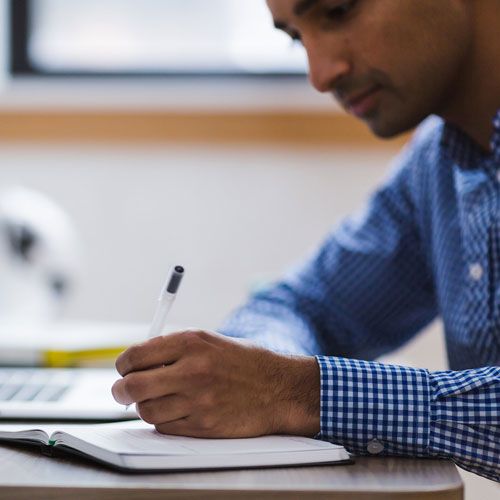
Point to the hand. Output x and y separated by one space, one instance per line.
202 384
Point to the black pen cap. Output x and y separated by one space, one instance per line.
175 279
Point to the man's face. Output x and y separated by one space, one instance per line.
391 63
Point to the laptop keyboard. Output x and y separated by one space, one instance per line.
25 384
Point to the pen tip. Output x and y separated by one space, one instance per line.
179 269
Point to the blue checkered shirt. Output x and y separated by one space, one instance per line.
426 244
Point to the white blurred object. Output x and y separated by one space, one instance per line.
39 258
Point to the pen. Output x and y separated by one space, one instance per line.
165 300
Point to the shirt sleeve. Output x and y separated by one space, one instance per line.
364 292
372 408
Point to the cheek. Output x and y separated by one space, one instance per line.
377 47
386 39
420 47
395 60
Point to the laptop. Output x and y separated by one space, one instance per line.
60 394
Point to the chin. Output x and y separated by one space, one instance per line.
387 129
385 134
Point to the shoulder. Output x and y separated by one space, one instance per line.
421 155
427 136
425 144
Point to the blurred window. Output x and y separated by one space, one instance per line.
232 37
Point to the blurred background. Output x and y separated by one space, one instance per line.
169 132
135 135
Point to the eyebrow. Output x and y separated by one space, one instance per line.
303 6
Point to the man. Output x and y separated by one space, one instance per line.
428 243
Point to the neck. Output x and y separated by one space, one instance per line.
476 99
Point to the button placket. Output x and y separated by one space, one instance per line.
476 271
475 206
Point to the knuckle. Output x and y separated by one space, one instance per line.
204 366
190 330
207 423
197 337
203 369
191 338
203 335
159 343
207 402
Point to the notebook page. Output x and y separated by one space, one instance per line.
27 431
139 438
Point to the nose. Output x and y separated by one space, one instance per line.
326 64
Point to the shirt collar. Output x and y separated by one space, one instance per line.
466 152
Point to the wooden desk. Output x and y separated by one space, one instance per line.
26 474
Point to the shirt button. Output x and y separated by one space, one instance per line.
476 271
375 447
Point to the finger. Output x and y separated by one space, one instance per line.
193 425
148 384
162 350
180 427
165 409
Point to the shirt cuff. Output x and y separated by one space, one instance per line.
373 408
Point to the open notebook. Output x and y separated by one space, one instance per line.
135 445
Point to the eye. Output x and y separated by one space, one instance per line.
293 34
339 12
